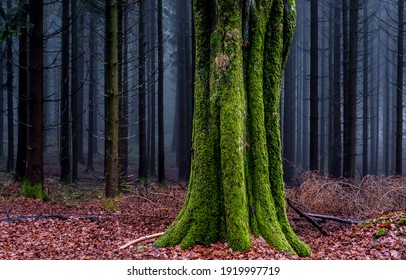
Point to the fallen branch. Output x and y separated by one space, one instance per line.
307 217
21 218
332 218
92 217
135 241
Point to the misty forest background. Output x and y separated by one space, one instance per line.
342 98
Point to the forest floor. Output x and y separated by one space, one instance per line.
79 223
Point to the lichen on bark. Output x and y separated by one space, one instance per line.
236 185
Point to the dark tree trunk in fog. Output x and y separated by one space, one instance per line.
35 157
112 79
152 89
74 89
375 129
10 111
386 118
306 91
399 91
161 135
289 119
184 94
21 160
299 84
92 107
336 156
323 103
1 98
124 92
350 99
330 139
77 87
314 95
65 108
365 94
143 160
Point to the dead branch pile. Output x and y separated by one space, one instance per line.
345 198
158 202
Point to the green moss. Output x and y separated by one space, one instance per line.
380 233
33 191
111 204
402 221
236 183
199 221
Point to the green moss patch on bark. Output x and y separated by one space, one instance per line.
275 44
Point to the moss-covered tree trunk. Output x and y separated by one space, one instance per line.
236 184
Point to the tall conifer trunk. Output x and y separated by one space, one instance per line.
236 182
35 157
21 159
112 98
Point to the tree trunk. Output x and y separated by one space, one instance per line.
92 107
386 115
314 85
399 92
112 98
124 95
143 160
236 183
161 135
10 109
336 157
152 89
35 157
350 98
21 160
65 108
74 89
1 97
289 121
365 95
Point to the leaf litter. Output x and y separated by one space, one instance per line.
94 229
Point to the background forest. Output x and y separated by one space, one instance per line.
342 125
342 105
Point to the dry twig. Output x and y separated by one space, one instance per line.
135 241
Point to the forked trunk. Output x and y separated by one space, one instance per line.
236 183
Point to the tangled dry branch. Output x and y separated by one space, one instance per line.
346 198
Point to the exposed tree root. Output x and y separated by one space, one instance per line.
135 241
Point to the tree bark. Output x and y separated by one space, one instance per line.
152 89
21 159
112 98
65 108
1 99
365 95
10 109
92 107
161 135
124 93
143 160
350 100
35 157
289 121
336 157
399 91
236 183
314 93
